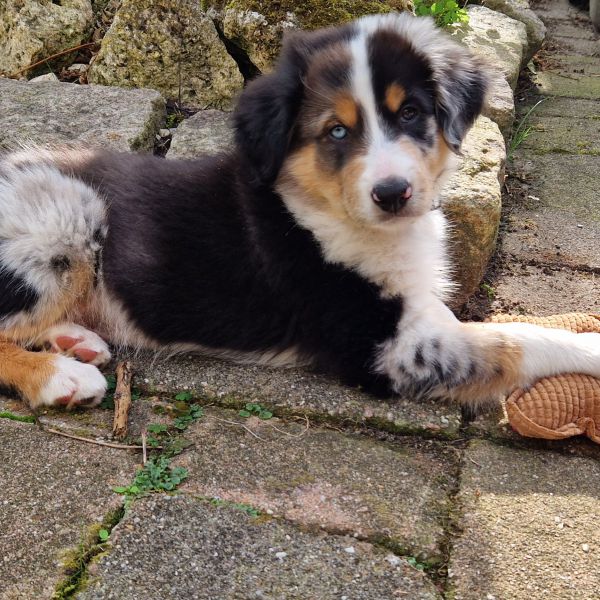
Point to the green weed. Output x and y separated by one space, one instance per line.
521 133
6 414
156 475
489 290
245 508
444 12
255 410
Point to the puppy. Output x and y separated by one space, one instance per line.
313 241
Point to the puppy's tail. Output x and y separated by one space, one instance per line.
51 232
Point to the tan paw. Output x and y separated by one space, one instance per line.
75 341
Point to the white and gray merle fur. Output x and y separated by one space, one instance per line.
282 250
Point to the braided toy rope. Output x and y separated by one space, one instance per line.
557 407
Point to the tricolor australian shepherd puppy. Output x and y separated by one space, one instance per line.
313 241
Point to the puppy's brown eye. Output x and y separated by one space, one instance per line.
409 113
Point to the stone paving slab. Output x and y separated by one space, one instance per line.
206 132
170 547
555 106
544 291
52 113
293 390
574 29
53 490
553 237
529 526
576 46
576 64
561 221
569 85
568 135
324 479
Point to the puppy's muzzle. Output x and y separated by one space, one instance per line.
391 195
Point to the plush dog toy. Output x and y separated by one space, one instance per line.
557 407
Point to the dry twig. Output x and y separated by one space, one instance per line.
52 56
243 426
90 440
122 400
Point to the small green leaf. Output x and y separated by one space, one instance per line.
265 414
103 535
245 413
184 396
120 489
156 428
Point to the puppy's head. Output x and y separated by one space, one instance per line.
361 121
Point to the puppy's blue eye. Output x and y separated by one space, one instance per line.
338 132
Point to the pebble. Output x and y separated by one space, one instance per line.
44 78
350 550
585 547
280 555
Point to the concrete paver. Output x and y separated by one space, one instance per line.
529 526
323 479
168 548
544 291
294 390
560 223
53 490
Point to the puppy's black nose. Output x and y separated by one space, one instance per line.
392 194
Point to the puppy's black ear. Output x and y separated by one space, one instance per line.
461 83
267 110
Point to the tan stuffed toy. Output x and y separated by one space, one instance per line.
558 407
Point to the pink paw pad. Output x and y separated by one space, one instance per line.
85 355
66 342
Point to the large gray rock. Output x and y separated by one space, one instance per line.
256 27
171 547
171 46
529 527
53 491
472 200
31 30
500 40
53 113
521 11
206 132
257 35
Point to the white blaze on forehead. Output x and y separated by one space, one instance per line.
383 158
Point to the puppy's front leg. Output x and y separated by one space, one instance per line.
434 354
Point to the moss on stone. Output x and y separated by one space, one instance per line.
313 13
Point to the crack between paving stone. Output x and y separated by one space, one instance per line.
339 422
77 560
556 266
451 528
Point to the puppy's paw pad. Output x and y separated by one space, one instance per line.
72 384
76 341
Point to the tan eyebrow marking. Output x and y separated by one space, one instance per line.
346 110
394 97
